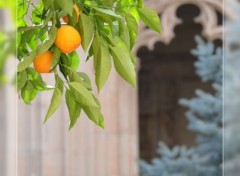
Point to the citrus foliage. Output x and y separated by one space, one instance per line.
108 31
3 56
7 38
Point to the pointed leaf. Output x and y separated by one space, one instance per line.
86 26
28 93
103 67
26 62
47 44
65 5
36 79
22 79
96 47
56 57
74 60
86 79
123 64
107 11
150 18
55 103
124 33
47 3
133 29
82 95
95 115
59 83
74 108
75 77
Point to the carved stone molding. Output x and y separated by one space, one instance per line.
167 10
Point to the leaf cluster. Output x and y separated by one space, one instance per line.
108 29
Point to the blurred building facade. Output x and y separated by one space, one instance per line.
136 119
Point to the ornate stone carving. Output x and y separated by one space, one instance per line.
167 9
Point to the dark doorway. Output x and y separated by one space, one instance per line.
167 74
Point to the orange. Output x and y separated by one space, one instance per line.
68 39
75 7
43 62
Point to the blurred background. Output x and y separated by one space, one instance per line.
171 125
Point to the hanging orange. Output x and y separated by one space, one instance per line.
43 62
68 39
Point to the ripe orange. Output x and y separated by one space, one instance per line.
42 63
68 39
75 7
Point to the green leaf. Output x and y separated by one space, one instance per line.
75 77
107 11
22 79
105 22
74 108
48 3
36 79
82 95
74 60
135 14
126 3
42 34
54 105
33 43
150 18
21 12
26 62
95 115
133 58
95 47
59 83
73 19
86 80
48 18
28 93
63 62
39 84
124 33
27 36
108 2
86 26
47 44
56 57
103 67
140 3
36 16
132 28
123 64
65 5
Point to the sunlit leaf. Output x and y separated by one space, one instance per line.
150 18
74 60
132 28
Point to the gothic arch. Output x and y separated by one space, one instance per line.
167 9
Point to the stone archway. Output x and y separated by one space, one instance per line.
166 71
